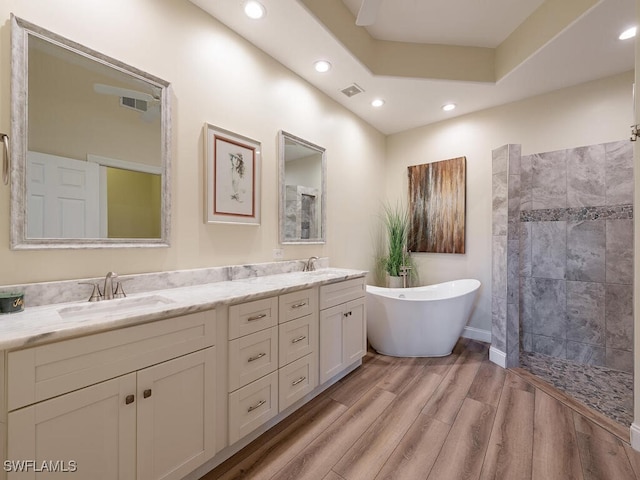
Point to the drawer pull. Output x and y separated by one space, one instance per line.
299 305
299 339
257 405
146 393
256 317
300 380
129 399
257 357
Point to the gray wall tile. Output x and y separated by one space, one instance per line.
548 249
586 176
549 180
587 354
619 172
586 251
499 267
525 249
526 342
554 347
619 360
619 251
513 271
525 183
515 159
499 204
549 312
500 159
499 323
527 304
619 316
586 313
514 198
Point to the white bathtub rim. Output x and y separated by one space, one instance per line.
469 285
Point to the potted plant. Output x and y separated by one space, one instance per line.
395 258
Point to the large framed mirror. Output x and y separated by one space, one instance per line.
90 159
303 190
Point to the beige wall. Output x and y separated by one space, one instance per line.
216 77
591 113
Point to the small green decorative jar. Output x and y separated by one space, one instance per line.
11 302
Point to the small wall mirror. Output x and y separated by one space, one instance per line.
302 190
91 143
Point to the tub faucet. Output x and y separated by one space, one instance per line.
404 273
310 264
108 285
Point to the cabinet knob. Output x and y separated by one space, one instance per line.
146 393
256 317
129 399
299 305
299 339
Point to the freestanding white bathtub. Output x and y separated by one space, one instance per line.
419 321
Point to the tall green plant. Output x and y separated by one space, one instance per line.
396 221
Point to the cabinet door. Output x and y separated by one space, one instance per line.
176 416
331 342
91 430
354 331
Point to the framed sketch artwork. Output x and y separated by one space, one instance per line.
233 177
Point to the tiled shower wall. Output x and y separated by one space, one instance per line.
505 328
576 254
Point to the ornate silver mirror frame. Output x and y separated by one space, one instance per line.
21 32
303 191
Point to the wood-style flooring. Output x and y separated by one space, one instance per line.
451 418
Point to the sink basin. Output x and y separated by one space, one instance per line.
118 306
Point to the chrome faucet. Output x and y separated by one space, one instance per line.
108 285
404 273
310 265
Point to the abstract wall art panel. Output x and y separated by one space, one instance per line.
437 204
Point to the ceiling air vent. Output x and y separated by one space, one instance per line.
352 90
134 103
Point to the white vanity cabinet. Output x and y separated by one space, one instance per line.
298 337
134 403
273 358
253 362
343 327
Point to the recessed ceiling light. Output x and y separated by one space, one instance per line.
254 9
322 66
378 102
447 107
628 33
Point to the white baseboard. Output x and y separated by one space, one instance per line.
477 334
635 436
499 358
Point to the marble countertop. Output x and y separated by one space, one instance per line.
47 323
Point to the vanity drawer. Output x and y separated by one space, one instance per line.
297 304
42 372
297 338
297 380
341 292
251 406
250 317
252 356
